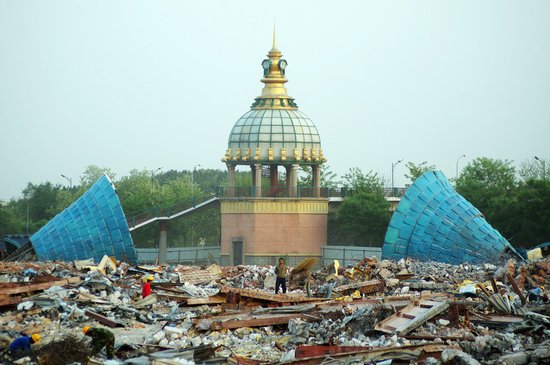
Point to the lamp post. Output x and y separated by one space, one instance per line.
392 168
458 159
69 180
193 182
27 215
28 195
543 167
153 176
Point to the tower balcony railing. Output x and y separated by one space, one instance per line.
283 191
272 192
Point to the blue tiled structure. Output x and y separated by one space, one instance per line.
433 222
92 226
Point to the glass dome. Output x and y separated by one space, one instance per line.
276 129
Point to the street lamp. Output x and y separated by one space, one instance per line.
69 180
153 176
543 167
193 181
458 159
392 168
28 195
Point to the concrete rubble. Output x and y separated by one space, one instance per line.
402 311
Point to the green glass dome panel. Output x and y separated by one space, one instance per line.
276 129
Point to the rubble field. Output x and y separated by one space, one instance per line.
386 312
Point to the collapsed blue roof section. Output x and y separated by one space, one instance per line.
92 226
433 222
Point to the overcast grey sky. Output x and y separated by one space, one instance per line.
147 84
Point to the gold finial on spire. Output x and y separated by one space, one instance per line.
274 37
274 94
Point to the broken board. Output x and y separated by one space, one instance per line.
411 316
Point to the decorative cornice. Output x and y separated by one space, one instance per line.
304 156
279 206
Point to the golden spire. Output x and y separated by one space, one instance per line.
274 47
274 94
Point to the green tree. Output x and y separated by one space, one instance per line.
42 203
364 218
9 224
94 172
329 179
357 181
364 215
535 169
416 170
485 179
525 216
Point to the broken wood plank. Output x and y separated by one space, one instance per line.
10 301
516 288
411 316
407 353
494 284
257 321
103 320
370 286
29 287
495 318
279 298
305 351
444 338
239 360
216 299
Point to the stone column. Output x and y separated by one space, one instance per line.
163 241
230 180
258 180
294 181
288 174
273 179
316 175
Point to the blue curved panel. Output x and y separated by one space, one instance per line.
433 222
92 226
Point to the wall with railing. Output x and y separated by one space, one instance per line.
348 255
180 255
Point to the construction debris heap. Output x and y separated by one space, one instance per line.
405 311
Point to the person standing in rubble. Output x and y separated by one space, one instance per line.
280 270
21 347
101 337
146 289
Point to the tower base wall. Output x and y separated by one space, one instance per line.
259 231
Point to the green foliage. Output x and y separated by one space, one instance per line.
8 220
363 218
356 182
42 203
535 169
364 214
329 179
415 171
520 210
528 217
94 172
483 180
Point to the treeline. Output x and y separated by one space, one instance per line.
515 201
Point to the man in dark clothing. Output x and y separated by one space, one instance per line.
280 270
101 338
22 346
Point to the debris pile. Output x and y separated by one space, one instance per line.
425 312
